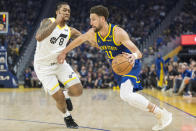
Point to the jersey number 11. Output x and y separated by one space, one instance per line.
109 54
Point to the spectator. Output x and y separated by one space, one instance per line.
34 80
192 82
27 78
160 71
171 76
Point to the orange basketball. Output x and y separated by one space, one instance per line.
121 65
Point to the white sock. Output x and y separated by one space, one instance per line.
66 114
65 92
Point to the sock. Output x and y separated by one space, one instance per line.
65 92
66 114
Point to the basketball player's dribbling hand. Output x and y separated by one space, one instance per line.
61 58
131 57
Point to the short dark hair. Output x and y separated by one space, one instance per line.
100 10
59 4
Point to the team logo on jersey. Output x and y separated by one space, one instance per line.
110 36
53 40
71 75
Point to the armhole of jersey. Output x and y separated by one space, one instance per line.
69 33
52 19
113 36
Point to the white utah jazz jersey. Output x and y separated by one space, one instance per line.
48 49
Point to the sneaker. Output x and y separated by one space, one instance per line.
163 121
69 104
70 122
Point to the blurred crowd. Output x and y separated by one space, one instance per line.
179 77
137 17
22 16
184 23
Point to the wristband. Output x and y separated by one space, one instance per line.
136 56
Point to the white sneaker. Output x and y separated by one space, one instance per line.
163 121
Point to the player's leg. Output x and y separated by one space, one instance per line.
73 90
140 102
52 86
70 80
65 74
50 83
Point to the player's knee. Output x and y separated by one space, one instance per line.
76 90
79 91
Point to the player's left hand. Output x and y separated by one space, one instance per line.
61 58
131 57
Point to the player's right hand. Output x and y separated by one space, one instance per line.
59 18
131 57
61 58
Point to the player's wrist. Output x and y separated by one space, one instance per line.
64 52
56 22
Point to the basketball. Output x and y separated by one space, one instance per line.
121 65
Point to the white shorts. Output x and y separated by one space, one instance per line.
50 74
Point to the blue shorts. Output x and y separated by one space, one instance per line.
133 76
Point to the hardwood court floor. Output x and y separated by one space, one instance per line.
96 109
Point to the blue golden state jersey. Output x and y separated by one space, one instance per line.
112 49
108 44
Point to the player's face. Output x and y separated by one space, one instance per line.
95 22
65 10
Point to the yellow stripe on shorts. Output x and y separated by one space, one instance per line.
55 87
69 80
133 77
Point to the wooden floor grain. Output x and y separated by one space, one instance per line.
96 109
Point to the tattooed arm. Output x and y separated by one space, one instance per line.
45 29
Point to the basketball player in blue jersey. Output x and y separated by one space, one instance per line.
113 40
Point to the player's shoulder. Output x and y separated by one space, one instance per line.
72 28
52 19
119 32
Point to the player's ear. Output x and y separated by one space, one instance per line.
102 18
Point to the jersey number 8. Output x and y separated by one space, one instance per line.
53 40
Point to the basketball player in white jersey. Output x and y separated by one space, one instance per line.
52 37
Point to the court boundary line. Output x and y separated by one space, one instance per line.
170 105
50 123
